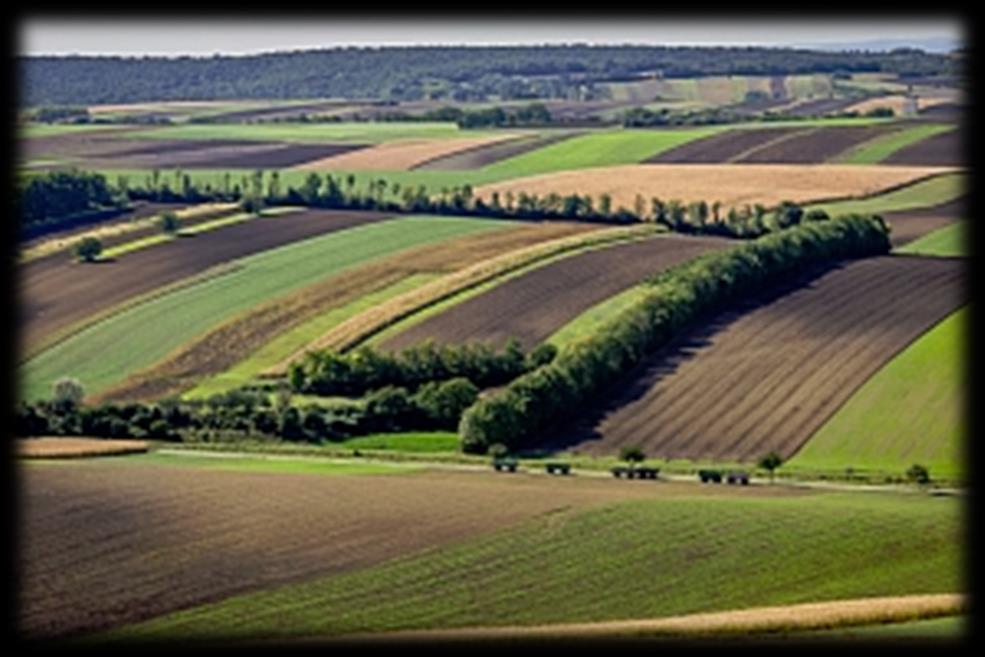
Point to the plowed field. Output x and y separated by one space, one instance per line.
532 306
723 147
401 155
767 374
816 146
55 293
908 225
106 543
945 149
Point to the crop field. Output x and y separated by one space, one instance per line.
919 224
356 132
817 145
766 375
532 306
922 194
896 103
138 336
951 240
56 293
118 524
944 149
321 306
910 411
729 184
679 552
487 154
403 154
722 147
880 148
61 447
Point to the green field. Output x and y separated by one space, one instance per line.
291 341
360 132
419 442
926 193
910 411
588 322
261 463
950 240
878 149
139 336
669 555
27 130
949 627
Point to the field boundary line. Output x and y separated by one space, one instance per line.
778 619
772 142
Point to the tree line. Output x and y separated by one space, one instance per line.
520 415
413 73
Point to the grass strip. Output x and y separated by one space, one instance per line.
925 193
949 241
878 149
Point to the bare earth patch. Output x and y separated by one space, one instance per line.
730 184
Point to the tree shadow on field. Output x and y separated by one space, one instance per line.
582 430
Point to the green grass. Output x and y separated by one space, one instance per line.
909 412
597 149
291 341
52 129
947 241
669 555
261 463
949 627
417 443
359 132
588 322
926 193
878 149
141 335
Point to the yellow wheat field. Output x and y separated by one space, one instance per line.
402 154
60 448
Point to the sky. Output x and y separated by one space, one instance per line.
203 36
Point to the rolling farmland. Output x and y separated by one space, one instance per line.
836 328
533 305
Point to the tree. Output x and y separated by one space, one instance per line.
632 455
771 462
918 474
88 249
498 451
67 393
170 223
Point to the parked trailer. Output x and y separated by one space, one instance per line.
558 468
738 477
508 465
635 473
706 476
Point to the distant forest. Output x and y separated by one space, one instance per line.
413 73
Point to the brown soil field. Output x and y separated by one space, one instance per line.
235 340
722 147
908 225
61 447
530 307
742 622
403 154
219 154
767 373
104 543
77 144
944 112
730 184
55 294
817 145
486 154
944 149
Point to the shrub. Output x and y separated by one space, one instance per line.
67 393
88 249
443 403
918 474
170 223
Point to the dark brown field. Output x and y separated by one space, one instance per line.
107 542
723 147
56 293
767 374
817 145
908 225
532 306
476 158
944 149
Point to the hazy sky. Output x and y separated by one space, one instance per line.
204 36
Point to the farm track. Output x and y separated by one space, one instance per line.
55 294
484 155
722 147
532 306
909 225
236 339
944 149
105 543
815 146
766 374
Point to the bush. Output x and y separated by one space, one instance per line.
443 403
918 474
170 222
88 249
67 393
533 402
